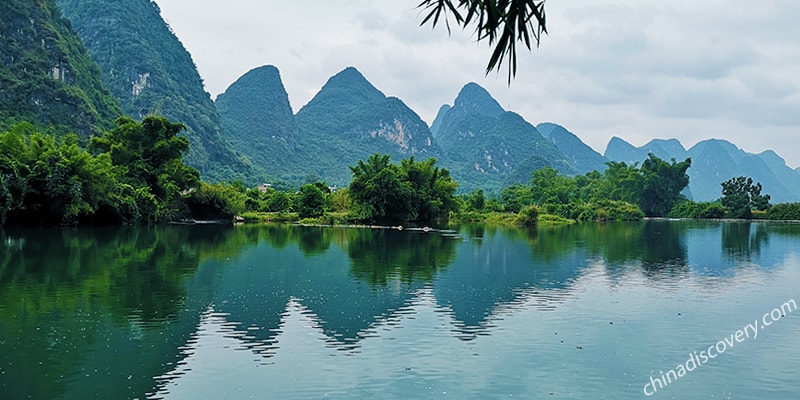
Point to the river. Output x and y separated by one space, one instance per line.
600 311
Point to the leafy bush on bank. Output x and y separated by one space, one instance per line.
601 210
698 210
528 216
784 211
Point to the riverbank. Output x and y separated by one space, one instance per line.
342 218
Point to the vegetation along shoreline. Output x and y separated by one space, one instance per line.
135 174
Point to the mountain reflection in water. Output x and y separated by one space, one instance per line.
133 312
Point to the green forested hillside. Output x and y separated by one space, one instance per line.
150 72
583 157
486 147
258 121
349 120
46 75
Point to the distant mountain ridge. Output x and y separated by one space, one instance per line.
138 66
584 158
620 150
715 161
488 147
483 145
348 120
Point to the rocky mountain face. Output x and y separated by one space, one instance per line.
488 147
348 120
150 72
46 75
350 113
715 161
481 144
134 64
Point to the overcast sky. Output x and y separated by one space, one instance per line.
637 69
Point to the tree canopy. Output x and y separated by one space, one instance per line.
150 155
740 195
502 22
132 174
622 191
662 184
311 201
44 180
410 191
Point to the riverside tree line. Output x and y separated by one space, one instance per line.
135 174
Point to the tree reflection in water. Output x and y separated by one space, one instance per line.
103 312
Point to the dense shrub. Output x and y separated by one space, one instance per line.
610 210
600 210
411 191
215 202
279 202
528 216
310 202
697 210
784 211
569 210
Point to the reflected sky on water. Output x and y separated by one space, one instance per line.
281 311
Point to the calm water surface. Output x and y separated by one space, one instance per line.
287 312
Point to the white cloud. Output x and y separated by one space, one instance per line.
684 69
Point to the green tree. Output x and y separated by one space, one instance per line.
432 189
279 202
13 169
515 197
740 196
149 154
310 201
503 23
550 187
590 185
411 191
216 202
622 182
47 181
476 200
255 200
239 185
340 200
377 190
662 186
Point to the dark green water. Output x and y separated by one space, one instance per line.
286 312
